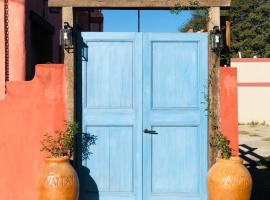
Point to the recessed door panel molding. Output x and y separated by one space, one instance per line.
172 63
166 176
107 86
143 97
113 144
174 81
112 111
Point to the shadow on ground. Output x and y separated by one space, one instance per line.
259 168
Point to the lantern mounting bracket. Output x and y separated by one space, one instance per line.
66 37
216 38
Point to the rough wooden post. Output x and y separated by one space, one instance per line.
213 62
67 16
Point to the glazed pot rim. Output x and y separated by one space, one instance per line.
57 159
232 159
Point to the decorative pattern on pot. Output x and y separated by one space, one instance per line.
228 179
58 180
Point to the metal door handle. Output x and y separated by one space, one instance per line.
150 131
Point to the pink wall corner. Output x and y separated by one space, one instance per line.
19 37
17 40
17 53
2 53
229 106
30 109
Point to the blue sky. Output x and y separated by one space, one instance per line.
151 20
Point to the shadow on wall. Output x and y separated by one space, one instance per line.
259 168
88 186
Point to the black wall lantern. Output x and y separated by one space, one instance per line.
66 36
216 39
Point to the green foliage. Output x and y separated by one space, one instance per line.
253 123
62 144
263 123
255 135
250 26
217 140
87 141
199 16
266 139
179 7
197 22
244 132
221 144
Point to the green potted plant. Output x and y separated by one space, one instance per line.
58 179
228 178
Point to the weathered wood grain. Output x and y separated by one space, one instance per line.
136 3
67 16
213 90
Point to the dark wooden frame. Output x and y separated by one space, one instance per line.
137 3
213 61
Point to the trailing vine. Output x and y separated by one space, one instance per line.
216 140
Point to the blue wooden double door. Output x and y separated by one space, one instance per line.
143 97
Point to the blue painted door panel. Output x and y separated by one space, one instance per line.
133 81
112 111
174 81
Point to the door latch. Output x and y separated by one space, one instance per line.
150 131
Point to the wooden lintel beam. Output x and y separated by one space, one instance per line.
137 3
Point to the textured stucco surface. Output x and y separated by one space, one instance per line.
229 106
16 45
29 110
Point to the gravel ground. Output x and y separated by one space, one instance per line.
257 137
254 148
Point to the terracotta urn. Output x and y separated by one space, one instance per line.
58 180
229 180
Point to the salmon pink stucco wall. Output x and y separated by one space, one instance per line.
20 36
229 106
30 109
16 43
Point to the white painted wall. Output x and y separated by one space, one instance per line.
253 104
253 101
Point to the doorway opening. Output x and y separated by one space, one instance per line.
134 20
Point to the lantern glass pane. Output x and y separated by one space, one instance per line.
61 41
68 37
